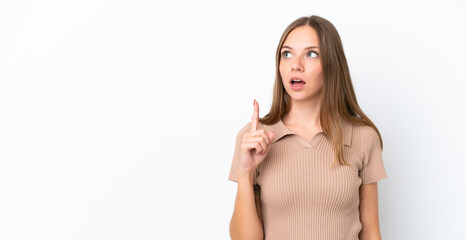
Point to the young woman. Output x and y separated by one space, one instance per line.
316 156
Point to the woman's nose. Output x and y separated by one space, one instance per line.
296 65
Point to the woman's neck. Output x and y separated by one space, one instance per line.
304 114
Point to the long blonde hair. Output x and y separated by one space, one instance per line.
339 98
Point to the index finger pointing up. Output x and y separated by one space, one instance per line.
255 116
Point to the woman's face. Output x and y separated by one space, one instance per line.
300 59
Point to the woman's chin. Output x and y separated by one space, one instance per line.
304 97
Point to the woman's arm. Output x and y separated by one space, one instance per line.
369 212
245 223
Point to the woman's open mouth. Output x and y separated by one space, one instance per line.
297 83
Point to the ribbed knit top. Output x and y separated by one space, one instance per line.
302 195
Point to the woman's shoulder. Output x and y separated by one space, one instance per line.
245 127
365 135
364 130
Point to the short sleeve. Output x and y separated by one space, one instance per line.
373 168
235 162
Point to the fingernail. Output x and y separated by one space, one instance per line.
254 103
262 154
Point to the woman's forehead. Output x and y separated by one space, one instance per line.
301 38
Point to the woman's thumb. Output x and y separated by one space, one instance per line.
271 135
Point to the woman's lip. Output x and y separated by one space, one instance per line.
296 78
297 87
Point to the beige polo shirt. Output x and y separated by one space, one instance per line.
302 196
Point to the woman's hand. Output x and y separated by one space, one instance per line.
255 145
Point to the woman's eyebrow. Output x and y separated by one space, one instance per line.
310 47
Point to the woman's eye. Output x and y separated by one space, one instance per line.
286 54
312 54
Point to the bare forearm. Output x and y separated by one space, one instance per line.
373 235
245 224
369 212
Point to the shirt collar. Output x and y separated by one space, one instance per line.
280 130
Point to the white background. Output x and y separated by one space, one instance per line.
118 118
